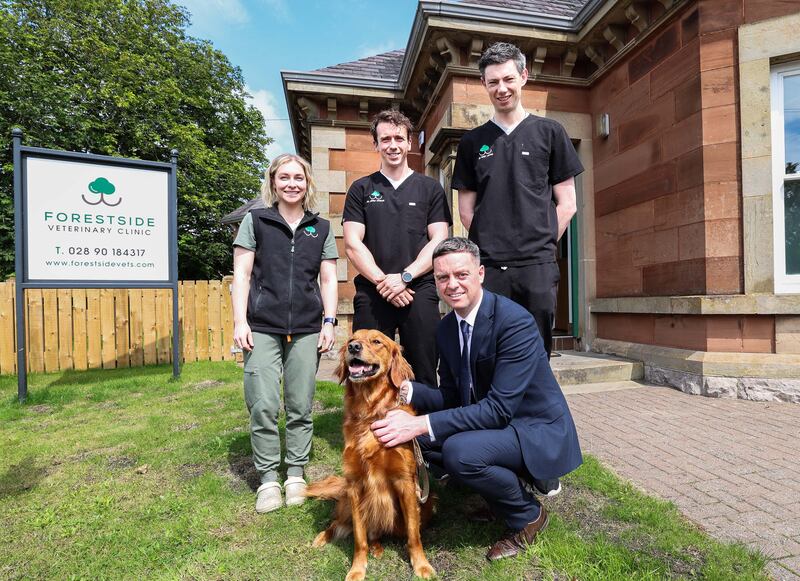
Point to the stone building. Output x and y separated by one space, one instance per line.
685 252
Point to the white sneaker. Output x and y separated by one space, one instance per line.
268 497
295 488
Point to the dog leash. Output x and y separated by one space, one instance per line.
423 480
422 474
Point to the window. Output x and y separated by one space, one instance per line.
786 176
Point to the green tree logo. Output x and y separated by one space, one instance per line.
101 187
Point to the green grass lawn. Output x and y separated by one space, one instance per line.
129 474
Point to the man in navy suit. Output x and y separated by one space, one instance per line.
498 414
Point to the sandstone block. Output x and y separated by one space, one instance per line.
328 137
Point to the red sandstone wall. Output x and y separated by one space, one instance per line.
729 333
667 179
676 228
648 185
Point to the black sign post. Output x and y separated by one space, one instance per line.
21 245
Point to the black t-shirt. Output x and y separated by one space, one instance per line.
515 220
396 221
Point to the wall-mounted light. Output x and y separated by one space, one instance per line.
603 125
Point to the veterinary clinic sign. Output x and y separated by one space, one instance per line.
92 221
87 221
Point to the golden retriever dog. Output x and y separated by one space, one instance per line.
378 493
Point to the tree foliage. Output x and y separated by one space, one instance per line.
123 77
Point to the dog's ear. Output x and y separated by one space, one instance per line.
341 370
399 369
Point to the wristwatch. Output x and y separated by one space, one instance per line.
332 320
406 277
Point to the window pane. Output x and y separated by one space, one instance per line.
791 119
791 209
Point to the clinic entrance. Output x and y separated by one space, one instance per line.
565 327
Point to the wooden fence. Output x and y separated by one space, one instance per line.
109 328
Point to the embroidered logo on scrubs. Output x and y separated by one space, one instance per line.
310 231
485 151
375 196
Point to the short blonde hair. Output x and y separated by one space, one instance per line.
268 194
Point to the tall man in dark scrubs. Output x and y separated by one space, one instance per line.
393 219
516 190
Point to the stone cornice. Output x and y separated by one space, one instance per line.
340 123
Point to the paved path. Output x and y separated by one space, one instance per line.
732 466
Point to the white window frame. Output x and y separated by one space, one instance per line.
784 283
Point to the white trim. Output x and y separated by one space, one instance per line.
784 283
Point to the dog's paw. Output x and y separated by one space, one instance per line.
321 540
356 575
376 549
425 571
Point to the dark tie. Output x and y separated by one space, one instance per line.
465 376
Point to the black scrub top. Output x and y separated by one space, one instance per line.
396 221
515 220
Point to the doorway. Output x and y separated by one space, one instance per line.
567 258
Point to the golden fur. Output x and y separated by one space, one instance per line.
377 494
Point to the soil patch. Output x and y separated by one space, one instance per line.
208 383
120 462
188 471
243 473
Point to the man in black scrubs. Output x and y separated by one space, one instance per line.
393 219
516 190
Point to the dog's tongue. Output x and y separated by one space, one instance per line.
358 369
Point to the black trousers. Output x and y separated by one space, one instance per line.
488 462
416 324
534 286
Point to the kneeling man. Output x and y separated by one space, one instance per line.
499 415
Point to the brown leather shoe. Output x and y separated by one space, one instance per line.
514 542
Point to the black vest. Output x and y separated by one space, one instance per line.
284 293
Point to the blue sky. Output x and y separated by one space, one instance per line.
263 37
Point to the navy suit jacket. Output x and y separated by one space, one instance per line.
513 383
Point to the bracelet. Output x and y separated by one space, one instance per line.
332 320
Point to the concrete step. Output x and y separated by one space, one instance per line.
600 387
575 367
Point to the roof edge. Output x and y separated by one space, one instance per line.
448 8
585 14
344 80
